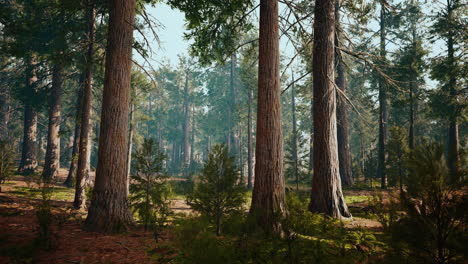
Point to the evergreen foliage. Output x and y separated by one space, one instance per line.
149 189
218 192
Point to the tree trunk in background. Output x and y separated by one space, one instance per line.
70 181
130 145
29 149
52 157
241 158
82 172
4 110
186 127
268 198
383 109
453 157
344 153
294 125
109 210
327 196
249 142
192 139
311 142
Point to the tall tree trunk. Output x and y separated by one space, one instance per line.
344 153
249 142
327 196
70 181
453 157
294 125
4 110
109 210
84 149
52 158
29 149
192 140
383 109
130 145
268 198
311 142
186 126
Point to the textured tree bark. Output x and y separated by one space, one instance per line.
294 125
29 149
70 181
268 198
82 171
344 152
52 157
327 197
109 210
383 109
249 142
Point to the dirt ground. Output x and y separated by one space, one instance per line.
71 244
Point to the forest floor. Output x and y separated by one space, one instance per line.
69 243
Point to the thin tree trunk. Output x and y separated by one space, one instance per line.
192 140
83 160
383 110
52 158
268 198
4 110
294 125
130 145
109 210
311 142
29 149
344 153
327 196
249 142
186 126
453 157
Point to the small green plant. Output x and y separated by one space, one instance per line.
218 192
44 215
149 187
398 151
6 162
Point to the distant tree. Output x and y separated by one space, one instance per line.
398 151
218 191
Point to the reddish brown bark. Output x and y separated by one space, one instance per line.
344 152
327 197
82 171
52 157
268 199
29 148
109 210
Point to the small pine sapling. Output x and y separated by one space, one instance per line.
149 187
218 191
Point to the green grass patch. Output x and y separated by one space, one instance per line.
58 193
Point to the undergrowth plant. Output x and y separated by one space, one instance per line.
149 188
6 162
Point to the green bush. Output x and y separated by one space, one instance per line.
149 188
218 192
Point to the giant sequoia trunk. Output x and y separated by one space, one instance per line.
109 210
327 196
344 153
268 199
29 149
52 157
383 109
82 171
